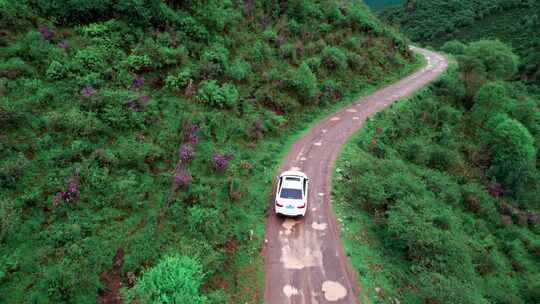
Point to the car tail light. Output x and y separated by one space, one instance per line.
278 204
301 206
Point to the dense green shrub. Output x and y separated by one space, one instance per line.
450 88
491 99
440 288
334 58
211 93
412 219
56 71
486 60
514 153
239 69
178 81
330 91
525 111
138 63
305 83
498 59
175 279
10 216
454 47
288 51
441 158
214 61
356 61
95 59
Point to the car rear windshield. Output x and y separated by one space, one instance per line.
291 193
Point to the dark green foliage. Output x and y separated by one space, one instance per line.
305 83
175 279
436 198
334 59
178 81
112 112
224 96
435 22
486 60
513 151
239 69
498 59
10 218
454 47
490 100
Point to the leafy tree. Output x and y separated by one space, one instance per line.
526 112
305 83
498 59
454 47
175 280
514 153
486 60
450 87
491 99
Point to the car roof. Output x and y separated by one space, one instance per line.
292 184
293 179
293 173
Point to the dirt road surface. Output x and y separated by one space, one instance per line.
304 259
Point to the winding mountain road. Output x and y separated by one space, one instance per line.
304 260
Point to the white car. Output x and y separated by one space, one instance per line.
291 193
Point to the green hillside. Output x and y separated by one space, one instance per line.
434 22
438 195
139 138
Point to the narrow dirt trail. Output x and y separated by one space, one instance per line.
304 259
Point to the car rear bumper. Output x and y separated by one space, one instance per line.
291 212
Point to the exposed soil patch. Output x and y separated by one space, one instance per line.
112 281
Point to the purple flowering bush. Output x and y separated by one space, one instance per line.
185 153
88 91
46 33
138 81
221 161
70 194
182 178
191 134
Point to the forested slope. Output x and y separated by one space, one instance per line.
438 195
515 22
138 139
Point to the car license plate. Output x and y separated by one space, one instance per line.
290 207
